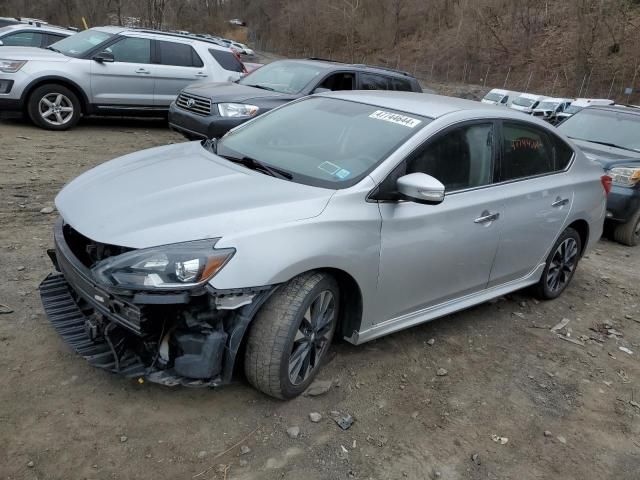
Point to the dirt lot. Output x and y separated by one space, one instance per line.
569 411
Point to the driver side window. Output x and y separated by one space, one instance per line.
131 50
460 158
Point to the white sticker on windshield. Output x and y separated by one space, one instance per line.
395 118
329 167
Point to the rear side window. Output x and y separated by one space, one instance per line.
400 84
178 54
526 152
227 60
374 82
23 39
131 50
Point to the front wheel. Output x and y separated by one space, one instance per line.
291 335
54 107
560 266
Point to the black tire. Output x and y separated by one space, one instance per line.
547 289
69 105
275 331
629 233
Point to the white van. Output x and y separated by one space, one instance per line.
527 102
549 108
498 96
581 103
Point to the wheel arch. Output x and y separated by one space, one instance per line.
52 79
582 227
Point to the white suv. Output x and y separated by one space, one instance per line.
108 70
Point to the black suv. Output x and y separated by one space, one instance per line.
610 135
209 110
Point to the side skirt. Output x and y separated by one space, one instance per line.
442 309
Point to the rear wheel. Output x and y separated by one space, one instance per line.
561 265
54 107
291 335
629 233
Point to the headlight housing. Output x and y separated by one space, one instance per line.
11 66
625 176
237 110
175 267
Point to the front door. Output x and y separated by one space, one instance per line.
538 195
128 81
434 253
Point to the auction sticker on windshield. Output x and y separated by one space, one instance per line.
395 118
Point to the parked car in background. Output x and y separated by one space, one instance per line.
4 21
239 47
209 110
526 102
549 108
580 103
348 214
108 70
32 35
610 135
498 96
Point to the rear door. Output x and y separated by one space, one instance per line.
538 194
177 65
128 80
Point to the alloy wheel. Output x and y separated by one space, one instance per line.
312 337
562 265
55 108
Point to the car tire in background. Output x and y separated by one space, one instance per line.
291 335
560 266
54 107
629 233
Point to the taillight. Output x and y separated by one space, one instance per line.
606 183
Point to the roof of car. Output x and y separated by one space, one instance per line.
33 26
633 109
184 35
354 66
424 104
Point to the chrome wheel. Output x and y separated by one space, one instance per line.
55 108
562 265
312 337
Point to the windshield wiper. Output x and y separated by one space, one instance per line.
263 87
607 144
53 49
254 164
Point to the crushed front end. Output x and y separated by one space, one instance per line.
171 337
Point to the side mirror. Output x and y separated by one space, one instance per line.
321 90
421 188
104 57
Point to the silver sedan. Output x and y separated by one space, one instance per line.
351 214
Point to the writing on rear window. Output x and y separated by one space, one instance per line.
395 118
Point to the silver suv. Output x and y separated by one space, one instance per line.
108 70
350 215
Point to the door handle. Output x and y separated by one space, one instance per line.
143 70
560 202
487 217
201 74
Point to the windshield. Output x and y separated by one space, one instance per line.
573 109
283 77
323 142
523 102
548 106
604 126
493 97
80 43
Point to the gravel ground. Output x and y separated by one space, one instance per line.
569 411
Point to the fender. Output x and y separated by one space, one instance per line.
84 100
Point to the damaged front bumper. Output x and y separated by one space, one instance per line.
172 338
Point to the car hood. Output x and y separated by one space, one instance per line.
608 157
31 53
231 92
180 193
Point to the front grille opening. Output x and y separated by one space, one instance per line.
88 251
194 103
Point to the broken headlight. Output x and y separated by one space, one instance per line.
177 266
